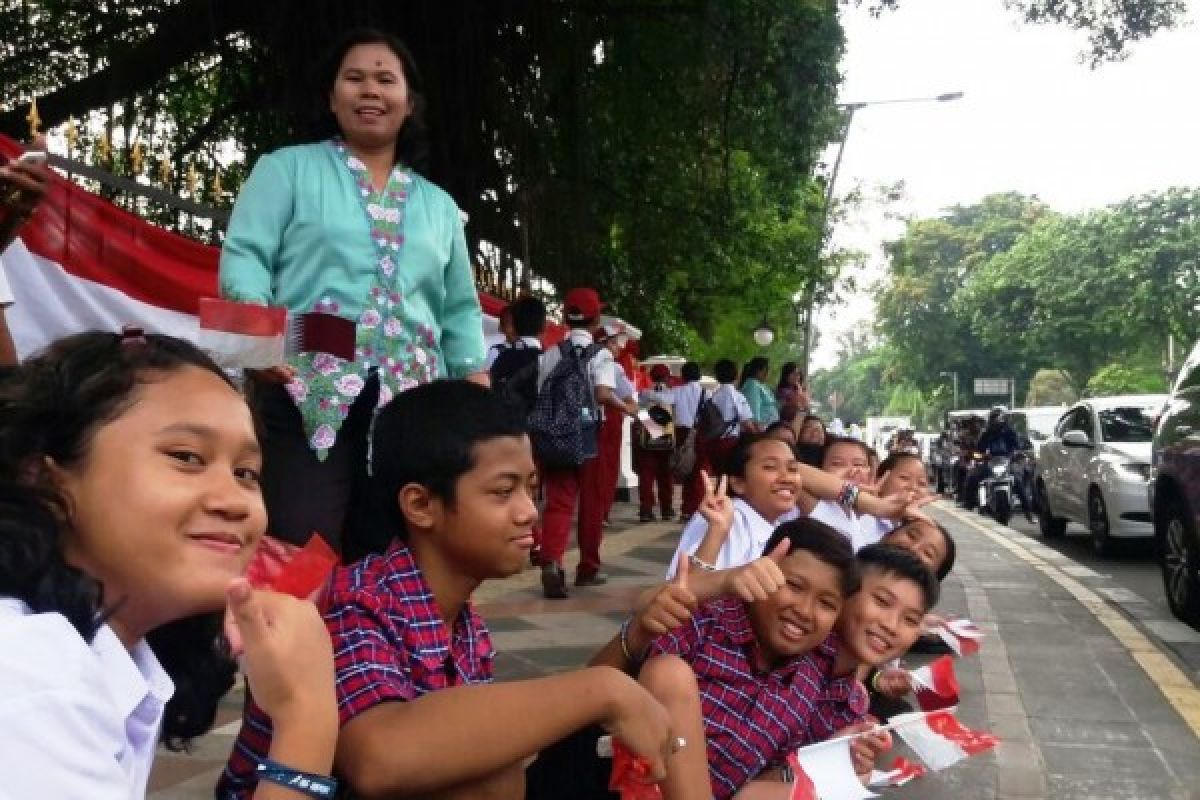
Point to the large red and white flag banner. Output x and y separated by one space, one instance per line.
825 771
939 739
899 773
936 685
83 264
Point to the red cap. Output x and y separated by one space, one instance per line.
582 304
660 372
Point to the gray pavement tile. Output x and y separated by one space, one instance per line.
1100 787
508 624
1010 727
1111 734
1115 763
1049 703
653 553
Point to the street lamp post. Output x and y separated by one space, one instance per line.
953 375
850 109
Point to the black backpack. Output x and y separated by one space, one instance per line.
710 423
514 376
565 419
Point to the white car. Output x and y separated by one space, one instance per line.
1095 468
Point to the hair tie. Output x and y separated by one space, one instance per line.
132 337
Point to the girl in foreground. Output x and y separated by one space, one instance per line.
129 507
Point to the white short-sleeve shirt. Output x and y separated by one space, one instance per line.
745 542
860 529
6 297
76 720
733 407
687 403
601 367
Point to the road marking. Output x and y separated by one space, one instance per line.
1176 686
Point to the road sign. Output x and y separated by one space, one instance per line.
985 387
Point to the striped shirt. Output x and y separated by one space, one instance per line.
753 719
389 645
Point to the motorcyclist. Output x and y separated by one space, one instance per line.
998 440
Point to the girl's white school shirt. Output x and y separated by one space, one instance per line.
76 720
860 529
747 537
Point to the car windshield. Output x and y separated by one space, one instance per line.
1127 424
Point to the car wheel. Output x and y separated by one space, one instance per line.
1178 553
1003 510
1102 541
1052 527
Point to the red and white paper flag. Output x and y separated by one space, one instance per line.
899 773
961 635
936 685
939 739
243 334
286 568
825 771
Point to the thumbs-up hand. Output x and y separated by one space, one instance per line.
667 608
759 579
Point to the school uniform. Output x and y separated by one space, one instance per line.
390 645
687 403
612 436
654 466
860 529
752 719
76 719
562 487
499 347
734 410
745 542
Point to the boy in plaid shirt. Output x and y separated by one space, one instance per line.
420 715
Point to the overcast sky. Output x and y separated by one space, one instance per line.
1033 119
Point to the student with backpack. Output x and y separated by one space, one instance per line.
575 387
685 462
514 369
652 454
723 418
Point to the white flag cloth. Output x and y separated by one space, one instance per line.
961 635
936 685
939 739
830 770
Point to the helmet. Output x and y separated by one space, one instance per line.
998 414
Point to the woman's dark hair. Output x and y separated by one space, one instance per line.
51 408
894 460
814 418
690 372
752 368
824 543
785 372
412 144
734 463
951 548
428 434
779 425
725 371
897 561
833 441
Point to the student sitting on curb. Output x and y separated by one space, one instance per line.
420 716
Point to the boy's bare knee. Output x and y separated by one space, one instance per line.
668 677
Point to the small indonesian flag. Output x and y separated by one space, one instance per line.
961 635
901 772
936 685
825 771
318 332
243 334
630 772
939 739
288 569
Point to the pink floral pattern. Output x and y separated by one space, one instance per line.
325 386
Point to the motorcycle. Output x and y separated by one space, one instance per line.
997 489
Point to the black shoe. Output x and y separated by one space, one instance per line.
593 579
554 582
668 515
645 516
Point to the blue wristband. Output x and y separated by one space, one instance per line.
320 786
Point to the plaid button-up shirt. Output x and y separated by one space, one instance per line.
752 719
389 645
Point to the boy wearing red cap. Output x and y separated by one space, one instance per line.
653 463
562 487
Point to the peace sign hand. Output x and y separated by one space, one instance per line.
716 506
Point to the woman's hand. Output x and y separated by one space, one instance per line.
483 378
893 682
23 185
716 507
286 654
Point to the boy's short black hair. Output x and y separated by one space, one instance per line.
809 453
825 544
834 441
427 435
690 371
893 460
725 371
896 561
528 316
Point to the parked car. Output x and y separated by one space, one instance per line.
1175 492
1095 469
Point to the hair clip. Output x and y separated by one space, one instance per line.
133 337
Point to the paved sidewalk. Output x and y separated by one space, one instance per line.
1073 688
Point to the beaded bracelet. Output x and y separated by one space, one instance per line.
624 637
320 786
702 564
848 496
